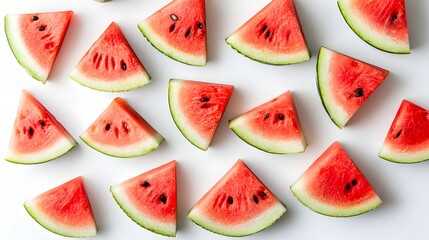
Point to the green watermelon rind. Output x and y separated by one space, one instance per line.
239 127
174 53
298 189
138 217
252 226
40 217
20 51
369 35
389 153
266 57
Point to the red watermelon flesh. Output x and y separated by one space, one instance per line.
37 136
272 127
150 199
121 132
179 31
345 83
408 138
111 64
36 39
239 204
272 36
197 108
64 210
334 186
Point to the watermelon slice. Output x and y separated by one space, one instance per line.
178 30
110 64
197 107
64 210
150 199
334 186
345 83
36 39
272 36
238 205
408 138
121 132
37 136
273 127
382 24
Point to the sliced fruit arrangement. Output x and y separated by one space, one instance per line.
178 30
239 204
272 36
36 39
273 127
345 83
382 24
121 132
334 186
150 199
197 108
37 136
64 210
408 138
110 64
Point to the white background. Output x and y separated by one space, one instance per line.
403 188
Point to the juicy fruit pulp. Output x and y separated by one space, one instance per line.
273 127
64 210
150 199
334 186
36 39
37 136
239 204
382 24
197 108
179 31
345 83
121 132
408 138
111 64
272 36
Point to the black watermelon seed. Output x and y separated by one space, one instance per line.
123 65
42 28
398 134
266 116
172 27
188 32
31 131
204 99
394 17
34 18
174 17
267 34
264 28
354 182
359 92
163 198
107 127
348 187
281 116
255 199
230 200
145 184
199 25
262 194
42 123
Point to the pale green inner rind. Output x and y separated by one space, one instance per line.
159 43
250 226
391 154
44 155
138 149
19 49
45 221
240 127
299 190
370 35
266 56
132 82
338 115
147 222
179 117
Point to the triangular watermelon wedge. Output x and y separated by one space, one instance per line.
272 36
408 138
150 199
64 210
37 136
197 108
382 24
36 39
121 132
334 186
239 204
178 30
111 64
345 83
273 126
